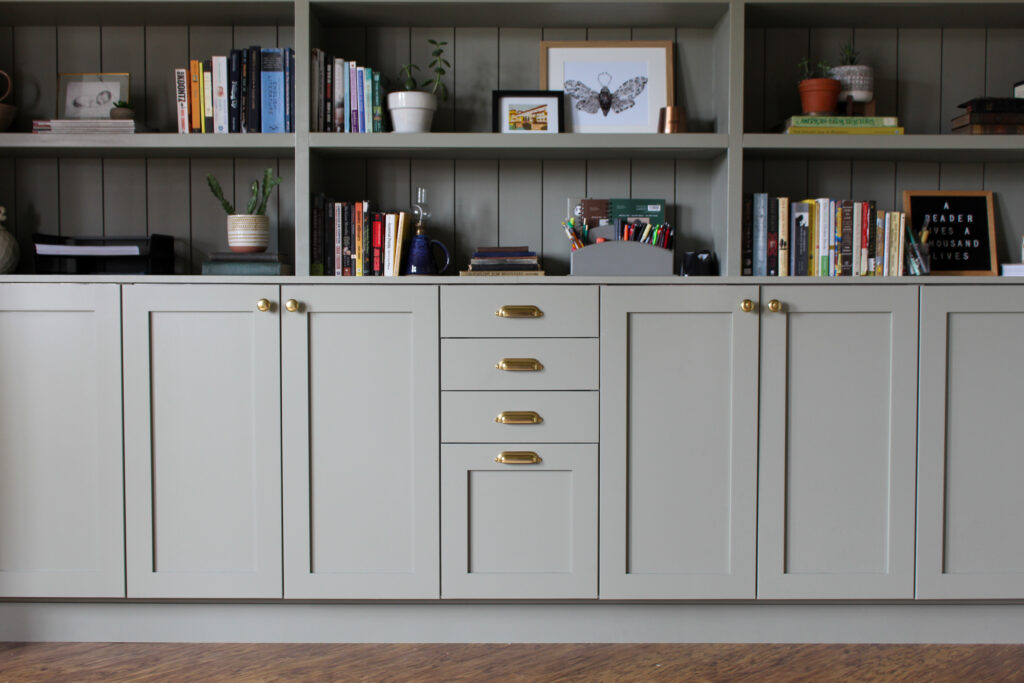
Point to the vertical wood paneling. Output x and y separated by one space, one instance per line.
562 179
786 178
476 53
753 80
167 48
963 62
36 209
6 51
656 179
438 177
608 178
1004 55
694 227
697 77
419 51
286 207
784 48
81 197
123 49
344 181
78 49
520 203
825 43
753 175
35 75
1004 178
387 51
961 176
124 197
609 33
564 33
286 37
345 42
168 206
915 175
877 47
476 203
518 59
875 180
829 179
209 225
206 41
244 36
920 52
387 183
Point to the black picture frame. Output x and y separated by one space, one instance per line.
540 97
961 226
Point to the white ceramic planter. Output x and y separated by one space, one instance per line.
248 233
857 80
411 111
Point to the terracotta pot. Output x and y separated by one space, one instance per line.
819 95
248 234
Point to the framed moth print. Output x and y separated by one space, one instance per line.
961 229
611 86
527 112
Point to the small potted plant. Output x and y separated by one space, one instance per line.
412 109
857 80
122 110
818 92
248 232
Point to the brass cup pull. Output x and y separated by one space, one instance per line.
746 305
518 417
519 364
519 312
263 305
518 458
292 305
774 305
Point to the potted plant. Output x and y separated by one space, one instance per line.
248 232
122 110
818 92
412 109
857 80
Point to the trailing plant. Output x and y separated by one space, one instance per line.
437 66
847 55
821 69
257 204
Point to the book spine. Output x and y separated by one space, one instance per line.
328 231
207 95
844 121
865 237
367 124
220 94
747 236
359 125
243 91
378 243
390 227
272 91
196 100
181 88
378 105
833 235
353 97
367 255
346 239
327 102
783 236
760 233
339 230
772 240
255 88
357 230
347 82
316 238
902 244
879 242
800 230
290 57
314 89
842 130
846 229
234 93
338 112
288 87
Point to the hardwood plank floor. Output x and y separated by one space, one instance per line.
39 662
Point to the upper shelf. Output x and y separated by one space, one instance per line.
146 12
509 146
874 14
147 145
886 147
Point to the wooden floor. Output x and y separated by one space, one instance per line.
38 662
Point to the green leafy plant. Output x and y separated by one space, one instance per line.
257 204
808 69
122 104
847 55
438 66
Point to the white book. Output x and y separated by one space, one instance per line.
181 83
340 69
390 230
858 207
1013 269
220 94
86 250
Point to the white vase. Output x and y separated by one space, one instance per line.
857 80
248 234
9 252
411 111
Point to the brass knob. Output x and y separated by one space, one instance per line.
519 417
263 305
518 458
519 312
774 305
519 364
746 305
292 305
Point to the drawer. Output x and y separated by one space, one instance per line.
569 311
567 416
563 364
522 528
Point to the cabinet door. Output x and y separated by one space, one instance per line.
678 439
61 495
970 508
361 385
202 441
524 527
837 436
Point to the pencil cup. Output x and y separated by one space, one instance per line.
671 120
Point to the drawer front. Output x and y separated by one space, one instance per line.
523 528
519 364
564 311
567 416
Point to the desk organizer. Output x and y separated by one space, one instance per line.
155 257
621 257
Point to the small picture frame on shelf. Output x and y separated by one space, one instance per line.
611 86
90 95
1018 89
527 112
961 229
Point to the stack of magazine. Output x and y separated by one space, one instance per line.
67 126
503 261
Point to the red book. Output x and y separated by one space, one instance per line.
378 243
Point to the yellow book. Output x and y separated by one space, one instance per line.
812 242
839 130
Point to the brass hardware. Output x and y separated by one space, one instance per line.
746 305
518 417
519 312
292 305
774 305
519 364
518 458
263 305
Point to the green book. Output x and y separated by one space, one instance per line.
843 121
246 268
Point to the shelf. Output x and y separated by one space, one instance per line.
509 146
875 14
885 147
143 12
147 145
530 13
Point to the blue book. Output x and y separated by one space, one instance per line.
361 119
760 234
289 90
272 93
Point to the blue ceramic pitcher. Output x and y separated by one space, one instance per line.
423 253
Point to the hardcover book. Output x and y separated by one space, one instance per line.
181 88
272 90
220 94
234 94
255 87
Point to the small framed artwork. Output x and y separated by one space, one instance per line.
611 86
961 229
90 95
527 111
1018 89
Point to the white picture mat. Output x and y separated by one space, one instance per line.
509 101
90 95
586 63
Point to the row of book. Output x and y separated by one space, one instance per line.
821 237
353 239
991 116
73 126
345 97
497 260
842 125
245 91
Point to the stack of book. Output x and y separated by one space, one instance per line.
821 237
245 91
351 238
503 261
69 126
345 97
843 125
232 263
991 116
